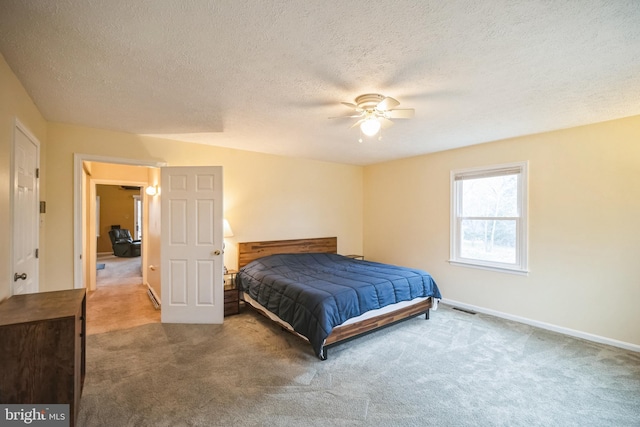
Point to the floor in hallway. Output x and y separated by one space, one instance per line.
115 307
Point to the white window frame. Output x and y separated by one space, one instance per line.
457 176
137 217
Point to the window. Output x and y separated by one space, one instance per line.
489 217
137 217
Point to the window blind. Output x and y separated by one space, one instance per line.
513 170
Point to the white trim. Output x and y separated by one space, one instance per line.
479 266
547 326
487 172
78 159
137 214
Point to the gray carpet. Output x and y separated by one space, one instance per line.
455 369
119 271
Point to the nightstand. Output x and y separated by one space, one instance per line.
231 293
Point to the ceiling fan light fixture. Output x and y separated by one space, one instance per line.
370 126
375 112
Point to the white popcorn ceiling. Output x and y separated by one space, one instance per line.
266 75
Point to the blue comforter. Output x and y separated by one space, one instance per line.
318 291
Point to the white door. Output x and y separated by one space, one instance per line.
26 151
191 247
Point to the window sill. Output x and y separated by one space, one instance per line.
508 270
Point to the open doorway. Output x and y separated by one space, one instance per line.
201 187
90 171
120 302
119 213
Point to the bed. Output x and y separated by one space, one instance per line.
326 298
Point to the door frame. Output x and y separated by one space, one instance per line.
78 199
138 212
18 125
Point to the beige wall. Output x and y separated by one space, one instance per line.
265 196
584 227
15 103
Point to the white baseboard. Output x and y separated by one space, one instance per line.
543 325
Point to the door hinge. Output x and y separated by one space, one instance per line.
37 252
37 172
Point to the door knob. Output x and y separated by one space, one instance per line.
17 277
217 252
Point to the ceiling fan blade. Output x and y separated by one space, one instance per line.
350 105
357 123
387 104
347 115
405 113
385 123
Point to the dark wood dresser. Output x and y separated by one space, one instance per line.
42 354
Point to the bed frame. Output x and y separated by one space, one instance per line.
250 251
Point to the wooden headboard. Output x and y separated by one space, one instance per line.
250 251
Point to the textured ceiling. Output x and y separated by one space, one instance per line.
266 75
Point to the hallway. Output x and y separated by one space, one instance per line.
120 300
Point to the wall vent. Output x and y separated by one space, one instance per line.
153 299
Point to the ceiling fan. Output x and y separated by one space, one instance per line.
375 111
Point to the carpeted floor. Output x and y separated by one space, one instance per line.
119 271
120 300
111 308
455 369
